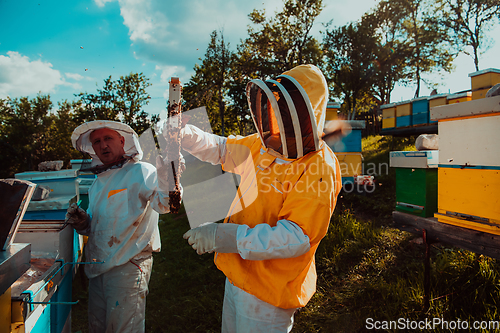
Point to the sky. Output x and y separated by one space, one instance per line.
62 48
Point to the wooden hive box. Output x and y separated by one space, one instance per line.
469 164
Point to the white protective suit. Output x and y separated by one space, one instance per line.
124 206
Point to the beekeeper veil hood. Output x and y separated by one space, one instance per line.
289 112
81 139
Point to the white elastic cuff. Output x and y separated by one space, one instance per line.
262 242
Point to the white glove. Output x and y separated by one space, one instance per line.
166 174
210 237
77 217
202 238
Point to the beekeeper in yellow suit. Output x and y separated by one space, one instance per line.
289 184
121 222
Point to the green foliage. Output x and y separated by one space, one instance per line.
390 53
186 290
120 100
283 41
276 45
349 65
30 133
427 41
398 42
210 87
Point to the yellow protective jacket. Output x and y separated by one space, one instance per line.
287 173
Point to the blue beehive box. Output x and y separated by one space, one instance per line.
352 141
349 143
63 190
420 111
403 121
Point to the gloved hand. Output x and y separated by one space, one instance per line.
210 237
77 217
165 173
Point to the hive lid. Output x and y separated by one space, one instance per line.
15 196
39 175
414 159
484 71
466 109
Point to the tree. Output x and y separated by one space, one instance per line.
426 39
467 22
390 52
349 62
284 41
280 44
30 133
25 132
63 125
209 85
120 100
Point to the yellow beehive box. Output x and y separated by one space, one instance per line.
388 111
388 115
485 78
332 110
470 192
350 163
389 122
438 100
403 109
480 93
465 222
460 97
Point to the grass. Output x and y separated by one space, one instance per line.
366 269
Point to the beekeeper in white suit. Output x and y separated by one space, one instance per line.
121 223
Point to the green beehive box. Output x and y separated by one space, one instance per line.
416 191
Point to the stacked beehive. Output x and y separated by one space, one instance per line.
469 164
388 115
420 111
482 81
348 150
403 114
409 113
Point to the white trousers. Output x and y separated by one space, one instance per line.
245 313
117 298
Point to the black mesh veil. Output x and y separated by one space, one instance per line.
282 116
